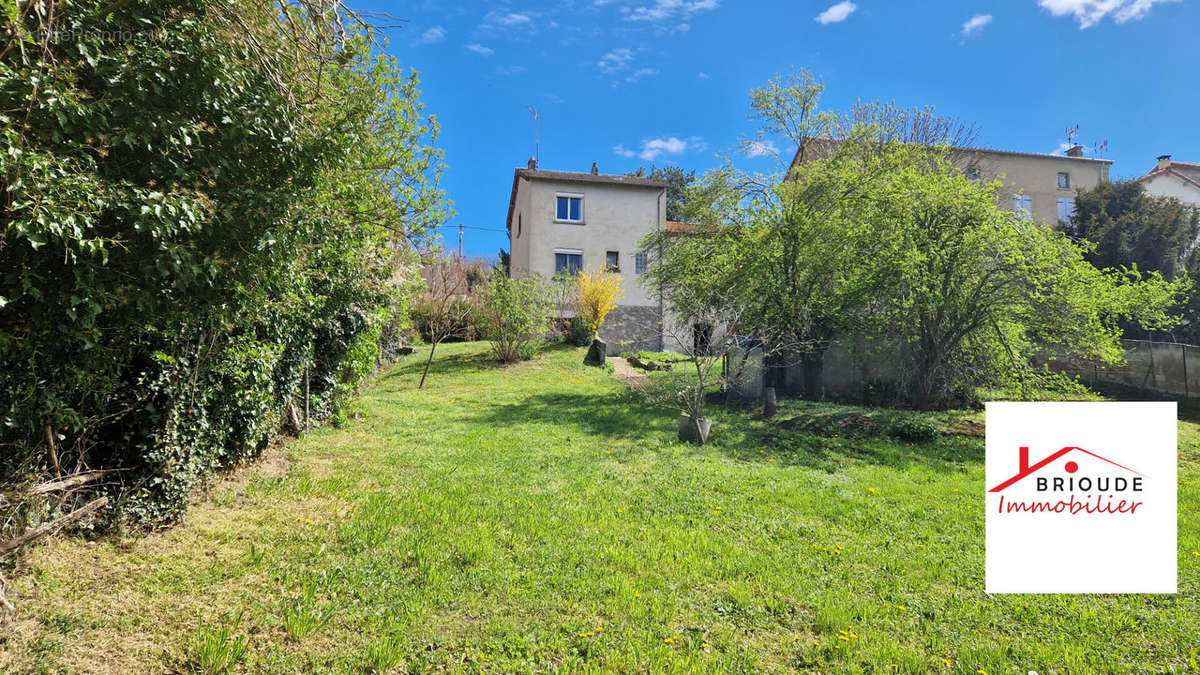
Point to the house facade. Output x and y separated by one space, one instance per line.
1180 180
1044 186
562 221
1041 185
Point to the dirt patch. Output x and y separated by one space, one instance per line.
968 428
627 373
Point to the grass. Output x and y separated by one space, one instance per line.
537 517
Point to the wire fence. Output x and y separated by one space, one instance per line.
1162 367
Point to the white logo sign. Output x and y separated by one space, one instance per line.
1081 497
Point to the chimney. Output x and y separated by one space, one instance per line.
1075 151
1023 461
1163 161
595 169
532 164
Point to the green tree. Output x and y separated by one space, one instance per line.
516 316
203 220
678 181
1127 227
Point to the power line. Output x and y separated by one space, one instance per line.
471 227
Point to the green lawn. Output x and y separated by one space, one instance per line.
538 518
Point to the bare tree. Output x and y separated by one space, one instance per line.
447 305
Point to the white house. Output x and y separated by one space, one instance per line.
562 220
1180 180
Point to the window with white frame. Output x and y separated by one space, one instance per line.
1064 180
639 263
569 208
568 261
612 261
1023 205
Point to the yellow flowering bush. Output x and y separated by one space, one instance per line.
599 291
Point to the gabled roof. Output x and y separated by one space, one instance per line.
574 177
1188 172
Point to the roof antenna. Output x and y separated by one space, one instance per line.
1072 134
537 133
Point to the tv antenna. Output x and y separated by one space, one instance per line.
1099 149
1072 134
537 134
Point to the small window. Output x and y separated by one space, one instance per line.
568 263
570 209
1023 205
973 174
639 263
612 261
1064 180
1066 210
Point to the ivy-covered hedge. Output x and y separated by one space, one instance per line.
200 202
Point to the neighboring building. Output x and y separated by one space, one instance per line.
562 221
1045 186
1180 180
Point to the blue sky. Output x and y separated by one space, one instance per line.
624 83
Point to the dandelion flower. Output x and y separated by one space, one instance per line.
901 607
870 489
946 662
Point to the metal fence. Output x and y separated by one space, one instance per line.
1163 367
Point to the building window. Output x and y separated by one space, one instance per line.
612 261
1064 180
569 262
973 174
639 263
1066 210
570 209
1023 205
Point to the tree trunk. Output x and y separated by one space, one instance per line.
770 407
428 361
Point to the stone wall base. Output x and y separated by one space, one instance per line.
632 329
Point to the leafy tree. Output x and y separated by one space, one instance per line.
597 294
517 316
678 181
1129 228
876 236
207 212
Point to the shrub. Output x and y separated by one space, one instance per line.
180 251
578 332
598 293
517 316
910 428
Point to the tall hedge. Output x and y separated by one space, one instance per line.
200 202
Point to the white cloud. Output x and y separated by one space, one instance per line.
655 147
667 9
761 149
640 73
621 150
974 25
509 19
615 60
432 36
510 70
480 49
837 13
1091 12
702 76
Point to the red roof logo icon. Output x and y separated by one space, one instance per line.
1025 470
